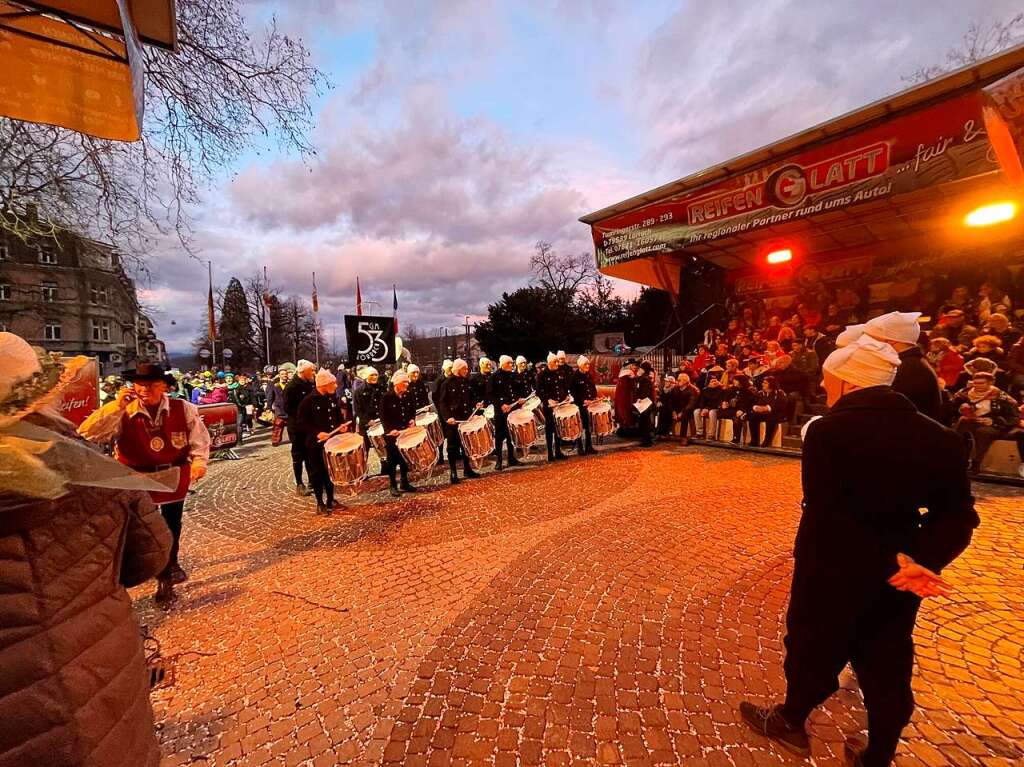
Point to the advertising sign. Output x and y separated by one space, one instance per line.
222 422
606 343
371 340
82 396
934 145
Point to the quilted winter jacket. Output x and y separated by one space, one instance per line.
73 690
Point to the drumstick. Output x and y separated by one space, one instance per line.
332 433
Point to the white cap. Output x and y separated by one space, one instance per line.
412 369
864 362
304 364
552 357
561 354
399 377
20 362
503 359
460 364
581 361
895 326
446 364
370 371
324 377
485 361
520 360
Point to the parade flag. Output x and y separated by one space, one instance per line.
210 317
316 305
359 300
266 304
394 308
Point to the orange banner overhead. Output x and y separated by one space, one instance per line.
54 73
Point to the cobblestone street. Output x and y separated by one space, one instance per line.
607 610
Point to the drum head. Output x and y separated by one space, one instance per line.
412 436
600 407
425 419
375 430
476 423
343 443
567 410
520 416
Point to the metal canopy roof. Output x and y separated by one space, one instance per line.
969 77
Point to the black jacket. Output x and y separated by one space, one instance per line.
295 391
552 385
502 389
435 390
419 394
367 403
397 412
916 380
869 466
319 412
480 383
776 400
525 382
582 387
457 399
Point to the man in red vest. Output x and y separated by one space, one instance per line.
153 432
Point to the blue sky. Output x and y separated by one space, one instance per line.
458 134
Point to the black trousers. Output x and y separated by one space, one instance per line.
551 432
455 452
501 436
755 420
874 633
584 442
395 462
172 512
319 477
644 424
298 440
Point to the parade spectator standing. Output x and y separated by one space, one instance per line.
986 414
73 688
625 415
869 466
320 416
276 404
152 432
299 387
645 391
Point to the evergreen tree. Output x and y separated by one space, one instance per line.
236 331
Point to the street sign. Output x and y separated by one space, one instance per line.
204 353
226 354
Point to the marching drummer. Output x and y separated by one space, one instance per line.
397 412
457 404
481 381
368 399
435 396
418 392
584 392
502 393
524 377
552 388
320 416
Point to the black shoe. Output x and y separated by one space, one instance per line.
560 456
454 479
164 592
177 574
499 466
513 461
395 492
301 489
768 721
407 488
470 474
321 509
551 457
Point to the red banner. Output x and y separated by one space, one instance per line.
933 145
82 396
222 422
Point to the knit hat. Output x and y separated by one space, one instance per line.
303 365
520 360
459 364
369 371
864 362
324 377
446 365
581 361
399 377
552 357
503 359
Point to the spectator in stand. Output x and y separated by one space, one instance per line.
748 323
808 315
792 383
746 353
953 325
772 351
722 354
986 413
687 395
757 341
732 331
1015 370
946 361
806 362
832 323
992 300
702 359
753 369
771 333
742 405
769 408
821 345
999 325
960 299
986 347
705 376
786 338
732 369
708 404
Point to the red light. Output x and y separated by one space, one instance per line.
780 256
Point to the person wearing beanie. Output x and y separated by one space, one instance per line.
397 413
985 412
367 402
446 373
299 387
644 389
457 404
480 381
525 378
552 388
502 393
865 555
584 393
418 392
320 416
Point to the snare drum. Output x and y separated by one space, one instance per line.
415 446
601 423
522 429
432 424
345 456
533 405
477 437
375 433
568 424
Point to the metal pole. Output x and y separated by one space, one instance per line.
213 331
266 313
466 345
295 332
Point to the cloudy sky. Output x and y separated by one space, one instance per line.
460 132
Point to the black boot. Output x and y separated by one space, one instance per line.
512 460
467 470
498 464
394 491
164 592
454 476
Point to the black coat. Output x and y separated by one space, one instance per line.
419 394
582 387
397 412
869 466
525 382
458 399
502 388
368 400
295 391
480 383
319 413
776 400
916 380
435 390
552 385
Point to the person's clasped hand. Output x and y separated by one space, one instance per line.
918 579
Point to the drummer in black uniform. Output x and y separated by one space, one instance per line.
481 380
319 417
397 412
435 397
584 392
503 394
525 377
552 388
367 400
417 388
457 404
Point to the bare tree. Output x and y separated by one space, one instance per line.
218 95
562 274
980 41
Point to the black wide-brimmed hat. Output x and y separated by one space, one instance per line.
149 371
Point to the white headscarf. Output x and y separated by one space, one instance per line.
581 361
446 364
369 372
399 377
324 377
412 369
303 365
552 357
895 326
561 356
520 360
459 364
864 362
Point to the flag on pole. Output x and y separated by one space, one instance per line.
316 305
359 300
394 308
210 316
266 304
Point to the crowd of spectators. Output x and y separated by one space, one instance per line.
763 367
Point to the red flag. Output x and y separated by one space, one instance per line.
210 317
359 300
394 310
316 305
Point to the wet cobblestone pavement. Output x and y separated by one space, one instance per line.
605 610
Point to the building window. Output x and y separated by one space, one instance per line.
49 292
47 255
51 331
5 292
100 330
99 295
